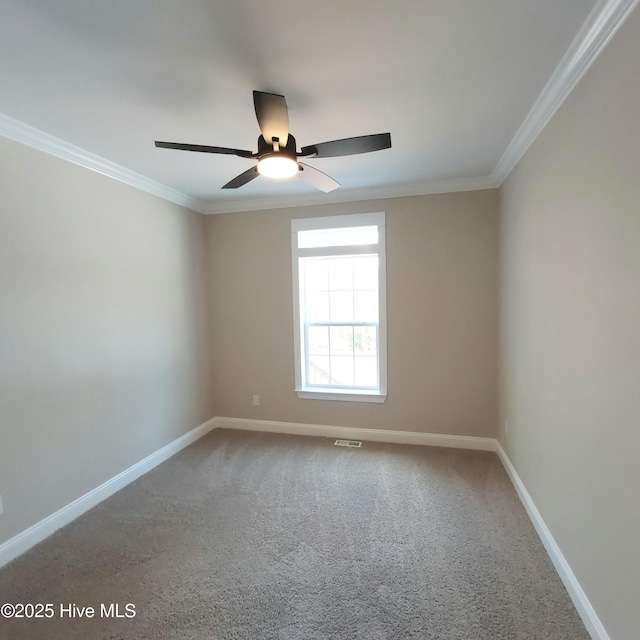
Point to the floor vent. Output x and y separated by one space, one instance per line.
348 443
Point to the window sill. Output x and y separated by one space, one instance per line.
336 394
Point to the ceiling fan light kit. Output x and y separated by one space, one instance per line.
277 153
277 165
275 161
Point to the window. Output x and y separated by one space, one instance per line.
339 307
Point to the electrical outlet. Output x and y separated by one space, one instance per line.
1 508
256 401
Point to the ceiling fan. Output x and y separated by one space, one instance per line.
277 153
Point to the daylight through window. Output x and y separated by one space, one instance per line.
339 307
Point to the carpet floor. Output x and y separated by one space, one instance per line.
254 536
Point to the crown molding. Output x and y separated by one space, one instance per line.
601 24
37 139
605 19
336 197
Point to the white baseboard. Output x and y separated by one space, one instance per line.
20 543
28 538
581 602
356 433
578 596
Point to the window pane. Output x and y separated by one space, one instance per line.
341 340
316 272
317 307
341 274
365 306
318 340
319 370
338 237
338 325
365 272
342 370
341 304
366 371
364 340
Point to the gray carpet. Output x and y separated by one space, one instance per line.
259 536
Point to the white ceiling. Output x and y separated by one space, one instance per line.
452 80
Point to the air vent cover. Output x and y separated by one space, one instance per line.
348 443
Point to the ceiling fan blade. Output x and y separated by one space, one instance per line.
316 178
348 146
242 179
204 149
273 116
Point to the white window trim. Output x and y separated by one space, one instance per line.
335 222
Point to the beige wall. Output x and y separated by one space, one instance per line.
442 316
103 335
570 363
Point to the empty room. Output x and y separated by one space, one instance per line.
320 321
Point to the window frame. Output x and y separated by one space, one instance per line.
377 219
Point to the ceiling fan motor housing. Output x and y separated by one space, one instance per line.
265 148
